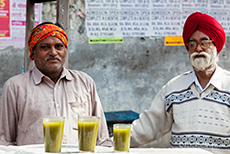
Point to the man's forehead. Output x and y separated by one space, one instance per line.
202 38
198 35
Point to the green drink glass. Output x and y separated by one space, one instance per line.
121 137
87 133
53 133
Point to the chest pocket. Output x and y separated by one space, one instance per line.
78 106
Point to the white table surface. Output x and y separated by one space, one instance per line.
72 149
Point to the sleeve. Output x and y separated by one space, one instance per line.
103 134
152 123
8 115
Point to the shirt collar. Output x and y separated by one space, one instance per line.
192 78
38 75
215 79
66 74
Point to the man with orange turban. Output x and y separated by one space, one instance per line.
48 89
194 106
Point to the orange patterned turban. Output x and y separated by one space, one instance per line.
207 25
43 31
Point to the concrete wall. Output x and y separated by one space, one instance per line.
127 75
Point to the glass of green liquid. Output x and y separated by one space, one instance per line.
53 132
87 133
121 137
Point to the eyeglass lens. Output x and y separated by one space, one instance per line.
204 44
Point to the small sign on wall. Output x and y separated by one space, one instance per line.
101 40
174 41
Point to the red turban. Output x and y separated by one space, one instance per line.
207 25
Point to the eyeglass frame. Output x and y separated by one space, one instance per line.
203 39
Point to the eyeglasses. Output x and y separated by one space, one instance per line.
192 45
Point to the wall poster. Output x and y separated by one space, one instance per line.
139 18
5 19
13 15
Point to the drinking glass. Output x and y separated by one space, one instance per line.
121 137
53 133
87 133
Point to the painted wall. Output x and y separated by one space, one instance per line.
127 75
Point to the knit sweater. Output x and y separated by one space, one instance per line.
199 120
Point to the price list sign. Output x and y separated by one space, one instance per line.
139 18
13 22
5 19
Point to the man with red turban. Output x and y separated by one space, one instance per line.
48 89
194 106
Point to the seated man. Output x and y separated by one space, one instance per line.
48 89
194 106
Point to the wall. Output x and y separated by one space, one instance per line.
127 75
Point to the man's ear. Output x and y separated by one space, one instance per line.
32 55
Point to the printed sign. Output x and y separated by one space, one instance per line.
5 19
174 40
140 18
14 21
96 40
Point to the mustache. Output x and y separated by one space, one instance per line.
53 57
195 54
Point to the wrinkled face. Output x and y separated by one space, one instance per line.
204 55
50 55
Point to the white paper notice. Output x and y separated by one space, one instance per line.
137 18
18 23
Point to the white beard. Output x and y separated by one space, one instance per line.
201 63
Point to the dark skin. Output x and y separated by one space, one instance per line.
49 57
205 75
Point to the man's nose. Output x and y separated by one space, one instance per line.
53 51
199 48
